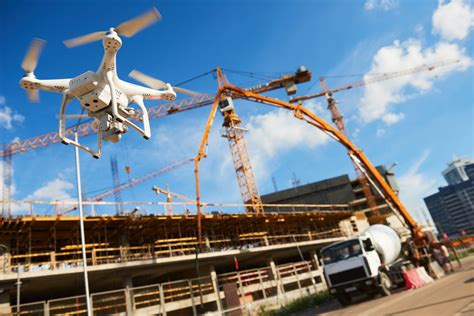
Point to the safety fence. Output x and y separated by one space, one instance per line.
236 293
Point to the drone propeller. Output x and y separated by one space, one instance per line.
156 83
29 65
127 28
31 58
33 95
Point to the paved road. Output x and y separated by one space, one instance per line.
451 295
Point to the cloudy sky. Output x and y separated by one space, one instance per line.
420 120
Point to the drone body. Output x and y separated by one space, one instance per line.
102 94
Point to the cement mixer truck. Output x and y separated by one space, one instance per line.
368 263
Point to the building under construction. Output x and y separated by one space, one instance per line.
155 264
193 264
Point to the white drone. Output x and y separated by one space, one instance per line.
102 93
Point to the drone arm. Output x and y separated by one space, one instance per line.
109 76
146 121
54 85
62 129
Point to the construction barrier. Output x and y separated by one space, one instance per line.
435 270
412 279
424 275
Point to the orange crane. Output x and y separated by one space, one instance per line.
338 119
169 197
229 92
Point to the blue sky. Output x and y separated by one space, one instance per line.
430 122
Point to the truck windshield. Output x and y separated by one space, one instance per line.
342 251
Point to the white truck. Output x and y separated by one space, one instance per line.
368 263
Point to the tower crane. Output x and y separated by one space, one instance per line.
338 118
228 91
169 197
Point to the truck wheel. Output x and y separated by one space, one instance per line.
344 299
385 284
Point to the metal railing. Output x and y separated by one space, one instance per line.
240 292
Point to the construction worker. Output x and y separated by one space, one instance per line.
447 266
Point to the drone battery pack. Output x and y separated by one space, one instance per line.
83 84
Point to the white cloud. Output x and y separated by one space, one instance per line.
392 118
415 185
2 100
380 4
8 118
453 20
54 190
277 132
379 97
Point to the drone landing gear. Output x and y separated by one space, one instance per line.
63 132
138 99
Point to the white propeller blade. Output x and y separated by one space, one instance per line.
147 80
81 40
127 29
186 91
31 58
133 26
33 95
156 83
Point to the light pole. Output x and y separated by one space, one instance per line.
81 221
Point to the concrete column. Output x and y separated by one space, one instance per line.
53 260
276 277
265 240
191 292
208 243
5 307
315 259
128 285
162 300
46 308
310 274
215 285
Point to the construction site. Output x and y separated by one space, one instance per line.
100 255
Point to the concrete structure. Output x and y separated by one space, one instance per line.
212 293
337 190
452 207
127 254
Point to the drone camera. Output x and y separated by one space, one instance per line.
95 100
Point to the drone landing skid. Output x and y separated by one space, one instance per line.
62 130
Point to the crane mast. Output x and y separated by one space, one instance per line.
242 164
